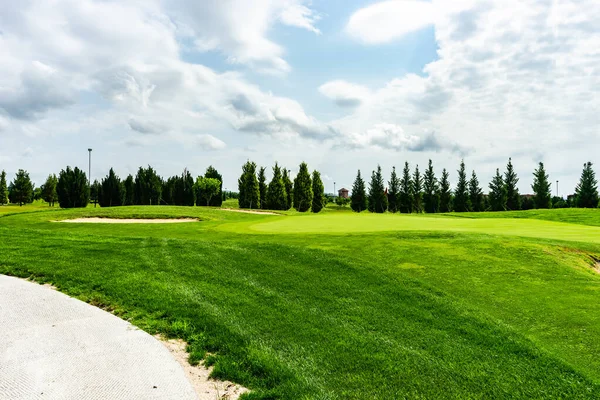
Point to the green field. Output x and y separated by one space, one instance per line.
340 305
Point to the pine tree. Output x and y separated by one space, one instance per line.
3 189
405 203
129 186
73 189
461 195
148 187
262 188
393 192
417 191
289 189
475 194
445 194
431 199
318 192
513 199
377 200
249 194
303 194
542 195
22 188
49 190
94 192
276 197
586 192
497 195
211 172
111 191
359 196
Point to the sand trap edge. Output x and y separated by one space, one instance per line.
96 220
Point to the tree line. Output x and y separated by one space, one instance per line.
414 191
305 193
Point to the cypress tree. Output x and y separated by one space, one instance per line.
95 192
211 172
377 200
586 192
276 198
262 188
542 196
358 202
129 187
513 199
249 194
431 198
445 194
289 189
148 187
72 188
417 191
22 188
405 203
111 191
497 195
318 192
461 195
188 191
393 192
475 194
303 194
3 189
49 190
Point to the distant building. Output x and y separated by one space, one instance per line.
343 193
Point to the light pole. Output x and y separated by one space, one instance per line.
334 189
90 167
556 188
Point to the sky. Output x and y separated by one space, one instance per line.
341 84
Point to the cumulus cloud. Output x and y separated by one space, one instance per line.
145 127
345 94
209 142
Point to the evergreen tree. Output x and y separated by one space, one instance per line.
417 191
475 194
513 198
358 202
393 192
3 189
445 194
211 172
586 192
186 191
377 200
111 191
497 195
461 195
542 195
22 188
148 187
49 190
262 188
431 198
129 187
303 194
95 192
73 188
249 194
289 189
405 195
318 189
276 197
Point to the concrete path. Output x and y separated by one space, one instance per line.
55 347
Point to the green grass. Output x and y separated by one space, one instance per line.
339 305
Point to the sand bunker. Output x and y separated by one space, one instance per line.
249 211
96 220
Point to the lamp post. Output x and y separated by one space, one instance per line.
334 190
90 167
556 188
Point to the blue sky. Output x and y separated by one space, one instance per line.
342 85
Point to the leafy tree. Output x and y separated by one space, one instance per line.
148 187
497 195
262 188
49 190
377 200
475 194
461 194
211 172
276 196
129 187
319 199
73 188
208 188
542 195
249 196
303 194
527 202
513 199
586 192
95 192
405 203
431 197
3 189
22 188
445 194
417 191
37 193
342 201
111 191
289 189
359 195
393 192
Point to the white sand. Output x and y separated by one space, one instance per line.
249 211
96 220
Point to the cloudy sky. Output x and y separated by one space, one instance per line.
341 84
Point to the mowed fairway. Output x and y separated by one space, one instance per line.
339 305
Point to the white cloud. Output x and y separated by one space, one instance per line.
345 94
209 142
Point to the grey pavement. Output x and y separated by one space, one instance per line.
55 347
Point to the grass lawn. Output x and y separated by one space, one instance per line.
339 305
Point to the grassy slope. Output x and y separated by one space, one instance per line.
571 215
434 315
